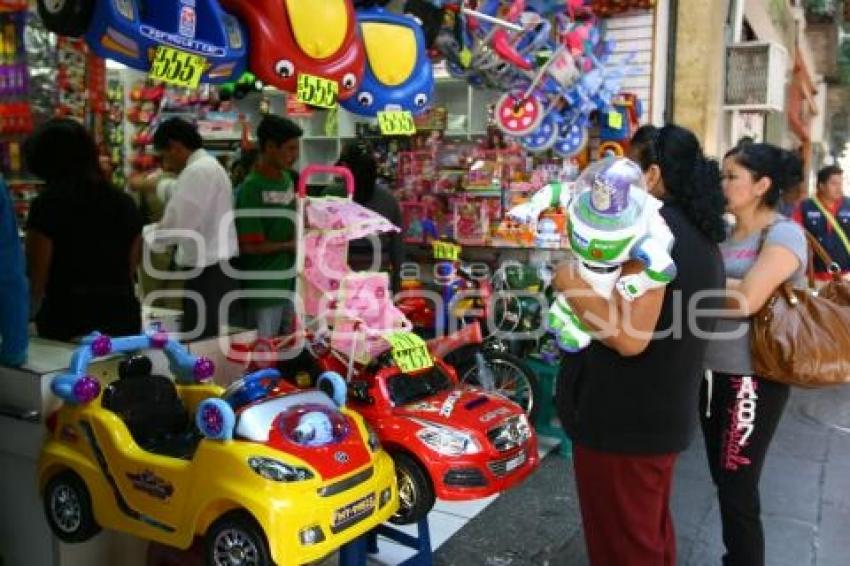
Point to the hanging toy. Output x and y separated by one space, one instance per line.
294 37
397 78
129 31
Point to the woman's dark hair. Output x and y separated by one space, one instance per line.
782 167
63 153
177 130
691 180
359 160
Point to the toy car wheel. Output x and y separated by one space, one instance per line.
236 540
67 506
415 492
517 117
512 379
66 17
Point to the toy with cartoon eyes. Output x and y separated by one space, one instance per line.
293 37
398 73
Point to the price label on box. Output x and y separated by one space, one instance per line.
177 67
396 123
446 251
409 352
316 91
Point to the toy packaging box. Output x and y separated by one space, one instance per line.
470 221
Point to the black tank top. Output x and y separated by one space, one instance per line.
647 404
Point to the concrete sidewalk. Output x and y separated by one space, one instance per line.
805 501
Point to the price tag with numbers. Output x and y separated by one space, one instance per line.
316 91
395 123
177 67
446 251
409 352
615 120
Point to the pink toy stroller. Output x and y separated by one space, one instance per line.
348 312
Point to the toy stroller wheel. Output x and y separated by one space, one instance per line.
518 117
512 379
572 138
415 492
67 506
66 17
236 540
543 138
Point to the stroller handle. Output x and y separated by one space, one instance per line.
343 172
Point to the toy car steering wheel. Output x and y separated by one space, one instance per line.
252 387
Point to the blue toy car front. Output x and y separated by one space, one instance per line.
129 31
396 78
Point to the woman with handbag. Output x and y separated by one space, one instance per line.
739 409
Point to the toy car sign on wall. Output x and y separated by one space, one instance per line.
129 31
397 77
294 37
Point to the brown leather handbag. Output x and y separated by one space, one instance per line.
802 337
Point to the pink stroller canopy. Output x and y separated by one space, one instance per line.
345 219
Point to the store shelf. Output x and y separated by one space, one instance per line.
426 248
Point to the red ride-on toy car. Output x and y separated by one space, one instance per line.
293 37
447 440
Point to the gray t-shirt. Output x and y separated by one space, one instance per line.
733 356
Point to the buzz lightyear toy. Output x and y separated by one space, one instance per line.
611 219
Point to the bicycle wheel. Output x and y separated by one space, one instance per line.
511 379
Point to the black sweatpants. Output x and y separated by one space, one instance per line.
739 415
212 284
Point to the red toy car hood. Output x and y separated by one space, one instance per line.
331 460
462 408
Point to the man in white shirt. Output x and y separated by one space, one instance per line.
154 190
201 206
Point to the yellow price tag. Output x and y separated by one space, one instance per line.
316 91
177 67
615 120
409 352
446 251
396 123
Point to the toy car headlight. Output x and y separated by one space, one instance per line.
372 438
524 427
274 470
445 440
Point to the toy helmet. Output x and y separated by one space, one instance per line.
613 192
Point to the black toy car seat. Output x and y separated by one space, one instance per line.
150 407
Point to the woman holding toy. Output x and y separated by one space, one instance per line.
627 400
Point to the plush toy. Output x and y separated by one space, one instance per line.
611 219
314 429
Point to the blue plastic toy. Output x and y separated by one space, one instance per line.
78 388
128 31
398 72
